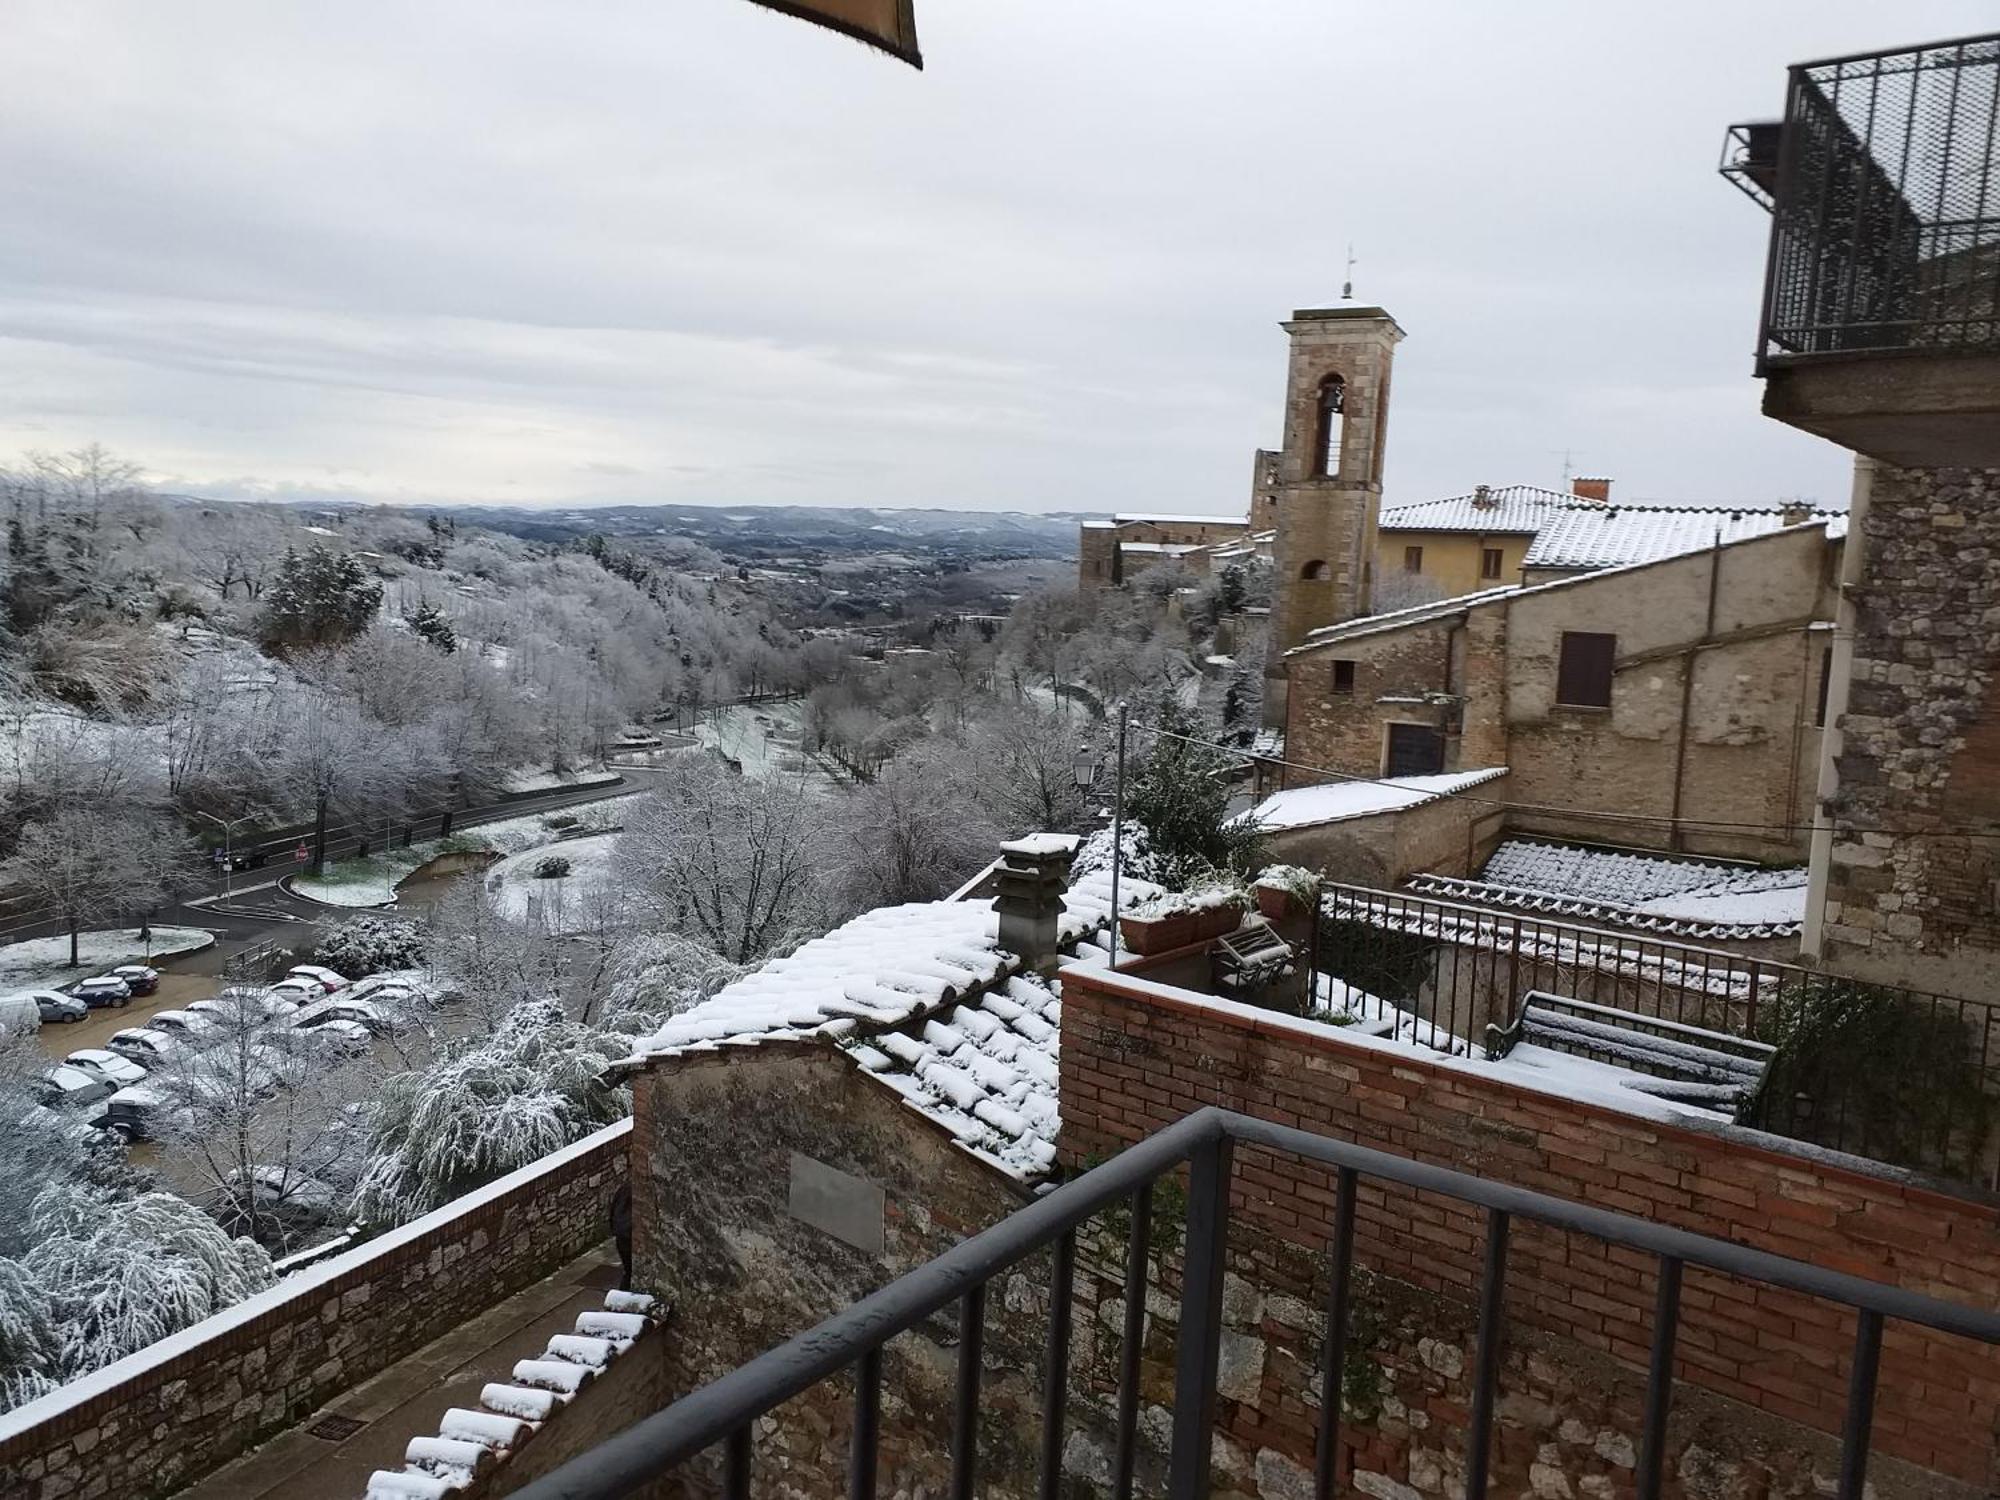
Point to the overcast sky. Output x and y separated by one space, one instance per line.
646 250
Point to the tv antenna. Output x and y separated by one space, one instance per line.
1569 463
1347 287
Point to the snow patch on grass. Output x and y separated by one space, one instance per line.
549 781
520 893
43 963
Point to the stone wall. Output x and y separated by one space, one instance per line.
1761 1374
1912 875
155 1422
1446 836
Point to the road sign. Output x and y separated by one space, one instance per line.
301 854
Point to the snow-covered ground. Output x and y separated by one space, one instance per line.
761 738
42 963
373 881
519 893
549 781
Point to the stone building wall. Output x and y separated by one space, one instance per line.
1761 1374
1912 875
1447 836
155 1422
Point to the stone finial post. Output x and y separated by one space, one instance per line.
1033 874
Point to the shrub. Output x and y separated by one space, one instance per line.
366 945
551 867
1867 1069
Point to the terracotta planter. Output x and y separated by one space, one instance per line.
1278 904
1147 935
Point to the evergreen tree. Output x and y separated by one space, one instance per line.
1180 793
429 622
319 598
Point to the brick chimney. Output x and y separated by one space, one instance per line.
1591 489
1033 874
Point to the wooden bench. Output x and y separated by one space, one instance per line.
1682 1063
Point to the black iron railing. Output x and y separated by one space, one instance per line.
724 1414
1885 195
1895 1075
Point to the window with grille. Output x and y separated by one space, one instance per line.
1489 562
1583 671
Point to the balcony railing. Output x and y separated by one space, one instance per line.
724 1414
1885 196
1921 1092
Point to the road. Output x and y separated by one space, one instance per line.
249 907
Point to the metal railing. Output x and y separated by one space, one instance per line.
1923 1094
724 1414
1885 199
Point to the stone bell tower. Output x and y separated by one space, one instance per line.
1329 477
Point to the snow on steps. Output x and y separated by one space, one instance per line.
469 1443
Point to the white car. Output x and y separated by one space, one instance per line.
297 989
120 1072
327 979
364 1013
183 1025
143 1045
267 1006
331 1038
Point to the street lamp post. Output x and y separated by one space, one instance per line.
1117 831
228 864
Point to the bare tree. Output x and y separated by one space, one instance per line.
86 867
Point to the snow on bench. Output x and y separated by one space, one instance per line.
1673 1061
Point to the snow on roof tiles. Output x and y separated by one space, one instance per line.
1396 619
1608 536
1519 509
1705 899
926 1003
1306 806
1166 518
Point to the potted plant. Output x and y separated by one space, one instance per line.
1286 891
1179 919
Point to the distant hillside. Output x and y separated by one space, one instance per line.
775 531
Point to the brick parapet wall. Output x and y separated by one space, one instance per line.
156 1421
1135 1059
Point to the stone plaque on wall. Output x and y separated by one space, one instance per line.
847 1207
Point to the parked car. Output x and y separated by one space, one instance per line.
137 1113
327 979
120 1072
143 1045
19 1015
57 1007
298 990
64 1087
363 1013
334 1038
105 989
183 1025
261 1003
140 979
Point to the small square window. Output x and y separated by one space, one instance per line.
1343 679
1489 562
1413 559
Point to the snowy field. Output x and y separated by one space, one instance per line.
559 902
550 781
43 963
762 739
373 881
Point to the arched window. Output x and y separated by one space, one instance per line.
1316 571
1332 423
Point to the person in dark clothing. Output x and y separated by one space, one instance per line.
621 1232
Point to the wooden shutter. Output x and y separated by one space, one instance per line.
1583 673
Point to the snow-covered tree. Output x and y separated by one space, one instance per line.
917 832
1181 792
369 944
431 624
490 1105
1025 755
738 862
318 598
86 866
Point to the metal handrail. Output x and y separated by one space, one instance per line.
724 1412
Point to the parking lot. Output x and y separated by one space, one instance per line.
177 988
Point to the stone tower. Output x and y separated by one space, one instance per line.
1329 477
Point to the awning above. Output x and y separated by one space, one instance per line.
888 24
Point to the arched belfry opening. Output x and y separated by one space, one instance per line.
1331 428
1316 571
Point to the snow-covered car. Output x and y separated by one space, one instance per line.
59 1008
141 979
64 1087
119 1072
137 1113
363 1013
325 978
330 1038
270 1007
19 1015
298 990
275 1186
143 1045
183 1025
103 990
